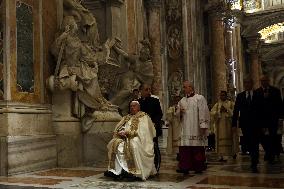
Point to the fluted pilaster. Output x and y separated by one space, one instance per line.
154 21
218 56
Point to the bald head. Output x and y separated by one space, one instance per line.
188 87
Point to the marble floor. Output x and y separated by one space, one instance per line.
234 174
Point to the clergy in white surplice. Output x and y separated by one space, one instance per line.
131 151
194 114
174 129
226 139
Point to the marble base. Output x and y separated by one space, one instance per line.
27 141
31 153
95 142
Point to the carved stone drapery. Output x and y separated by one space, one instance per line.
153 4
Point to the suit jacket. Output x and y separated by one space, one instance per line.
268 107
244 111
152 107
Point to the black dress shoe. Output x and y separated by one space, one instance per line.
254 170
184 171
198 172
222 160
110 174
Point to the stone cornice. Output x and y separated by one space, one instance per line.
94 4
255 22
220 11
114 3
153 3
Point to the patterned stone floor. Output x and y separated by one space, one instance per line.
234 174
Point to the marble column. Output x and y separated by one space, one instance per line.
194 53
254 64
154 28
231 49
218 56
238 54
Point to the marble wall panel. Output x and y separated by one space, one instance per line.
25 48
15 93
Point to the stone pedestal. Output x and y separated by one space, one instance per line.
67 129
74 147
27 141
69 142
95 142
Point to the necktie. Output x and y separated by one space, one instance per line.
249 97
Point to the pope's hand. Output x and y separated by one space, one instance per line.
182 110
122 133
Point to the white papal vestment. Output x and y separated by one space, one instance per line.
134 154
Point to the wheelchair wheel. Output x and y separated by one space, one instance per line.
157 159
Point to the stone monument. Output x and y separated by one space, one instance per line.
82 115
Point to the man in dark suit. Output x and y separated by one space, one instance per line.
244 112
269 109
151 106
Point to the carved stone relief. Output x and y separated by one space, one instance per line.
139 69
250 5
174 42
78 56
175 84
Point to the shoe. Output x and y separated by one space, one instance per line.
265 158
110 174
186 172
178 157
198 172
222 160
254 170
